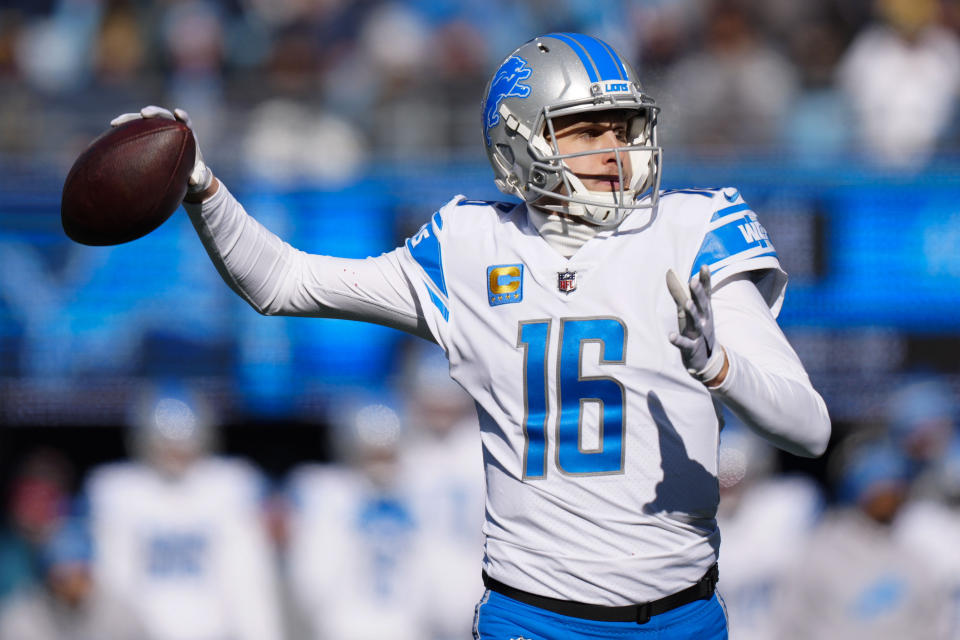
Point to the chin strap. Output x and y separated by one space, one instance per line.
596 207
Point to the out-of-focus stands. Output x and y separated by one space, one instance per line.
267 82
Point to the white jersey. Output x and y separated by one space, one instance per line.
600 450
354 559
773 518
583 401
445 480
191 554
931 530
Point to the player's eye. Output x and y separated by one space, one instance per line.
591 132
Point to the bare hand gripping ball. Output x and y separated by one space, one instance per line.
127 182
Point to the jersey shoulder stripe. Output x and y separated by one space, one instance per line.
439 304
734 234
706 192
502 207
424 248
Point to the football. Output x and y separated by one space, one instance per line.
127 182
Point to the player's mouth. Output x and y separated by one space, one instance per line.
607 183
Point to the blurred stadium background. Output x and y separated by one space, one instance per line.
342 125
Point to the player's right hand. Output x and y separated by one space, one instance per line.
200 176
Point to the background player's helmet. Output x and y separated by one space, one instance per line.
367 435
171 426
922 417
557 75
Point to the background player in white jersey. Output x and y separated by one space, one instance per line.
923 418
764 516
180 530
444 472
853 578
595 380
354 554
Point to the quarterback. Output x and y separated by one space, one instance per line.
598 324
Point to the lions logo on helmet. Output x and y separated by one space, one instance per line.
506 82
563 74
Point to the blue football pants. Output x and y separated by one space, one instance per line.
499 617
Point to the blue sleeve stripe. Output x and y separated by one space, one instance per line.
737 217
746 259
437 220
424 247
707 193
743 206
438 303
731 240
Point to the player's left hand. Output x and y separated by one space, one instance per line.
696 339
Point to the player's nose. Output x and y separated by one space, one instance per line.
608 142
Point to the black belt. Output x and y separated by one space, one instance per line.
639 613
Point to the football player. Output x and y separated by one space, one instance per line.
595 324
181 529
444 473
765 516
353 562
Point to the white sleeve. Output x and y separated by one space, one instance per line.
766 385
276 279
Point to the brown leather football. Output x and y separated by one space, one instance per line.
127 182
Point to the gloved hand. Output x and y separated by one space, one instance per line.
200 177
701 354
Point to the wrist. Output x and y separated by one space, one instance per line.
714 370
208 192
716 380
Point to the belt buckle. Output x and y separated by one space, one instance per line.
643 613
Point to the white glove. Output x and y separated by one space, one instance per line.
200 177
701 354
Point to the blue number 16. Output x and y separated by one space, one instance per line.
573 390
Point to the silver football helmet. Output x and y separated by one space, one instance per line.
556 75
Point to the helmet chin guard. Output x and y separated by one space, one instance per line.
602 208
559 75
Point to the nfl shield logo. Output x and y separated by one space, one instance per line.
567 281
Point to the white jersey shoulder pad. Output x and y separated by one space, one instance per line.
113 483
455 221
732 239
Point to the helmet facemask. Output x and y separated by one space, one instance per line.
559 189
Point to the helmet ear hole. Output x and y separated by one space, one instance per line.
543 48
506 152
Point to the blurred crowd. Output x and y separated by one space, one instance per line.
383 540
317 89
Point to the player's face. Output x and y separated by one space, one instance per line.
595 131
